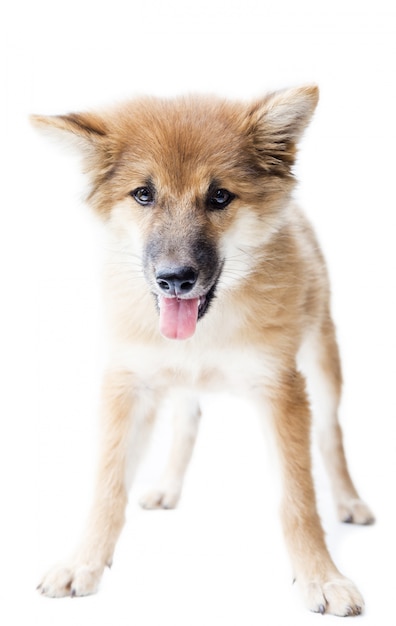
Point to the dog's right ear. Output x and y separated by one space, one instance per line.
85 131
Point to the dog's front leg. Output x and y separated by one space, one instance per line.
127 414
322 585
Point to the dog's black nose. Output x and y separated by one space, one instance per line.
176 281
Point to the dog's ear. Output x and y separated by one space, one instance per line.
88 134
276 124
85 131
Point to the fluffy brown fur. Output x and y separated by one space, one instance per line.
195 194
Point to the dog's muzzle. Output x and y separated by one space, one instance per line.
182 300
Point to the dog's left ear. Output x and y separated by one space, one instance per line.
276 124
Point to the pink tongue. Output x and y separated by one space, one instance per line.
178 318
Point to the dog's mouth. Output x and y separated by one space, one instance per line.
179 316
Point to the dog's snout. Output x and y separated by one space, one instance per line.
176 281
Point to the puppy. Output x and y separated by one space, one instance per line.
214 281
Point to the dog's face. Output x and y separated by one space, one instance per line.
196 186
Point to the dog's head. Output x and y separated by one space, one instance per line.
196 186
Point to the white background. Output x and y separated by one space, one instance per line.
219 559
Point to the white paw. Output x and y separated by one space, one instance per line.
75 580
355 511
337 596
161 498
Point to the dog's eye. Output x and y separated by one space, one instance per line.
220 198
143 195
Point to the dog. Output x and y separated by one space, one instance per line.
214 281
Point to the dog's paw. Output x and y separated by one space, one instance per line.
337 596
355 511
61 581
161 498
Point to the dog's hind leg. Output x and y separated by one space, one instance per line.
186 421
128 413
321 363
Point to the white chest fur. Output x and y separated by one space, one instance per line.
193 365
